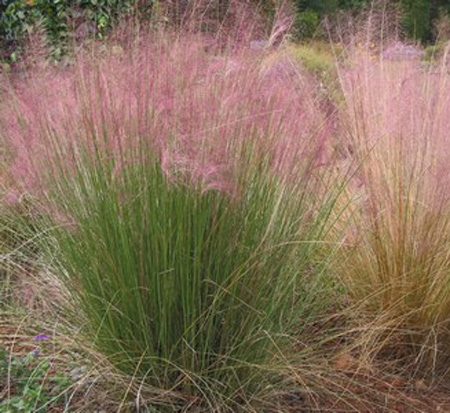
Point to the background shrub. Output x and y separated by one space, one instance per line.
307 24
66 23
62 21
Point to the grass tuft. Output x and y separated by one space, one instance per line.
182 208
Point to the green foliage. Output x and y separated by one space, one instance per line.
327 7
306 24
315 58
22 16
417 19
61 20
418 15
353 4
187 288
31 383
320 7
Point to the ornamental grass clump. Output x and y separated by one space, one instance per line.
184 186
397 261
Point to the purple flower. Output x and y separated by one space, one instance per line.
41 337
36 352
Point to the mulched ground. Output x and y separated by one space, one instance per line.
369 394
341 388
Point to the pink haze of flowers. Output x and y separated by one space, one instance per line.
184 97
399 113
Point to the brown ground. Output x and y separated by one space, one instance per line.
341 388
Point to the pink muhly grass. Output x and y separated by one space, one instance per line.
207 275
398 118
193 105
